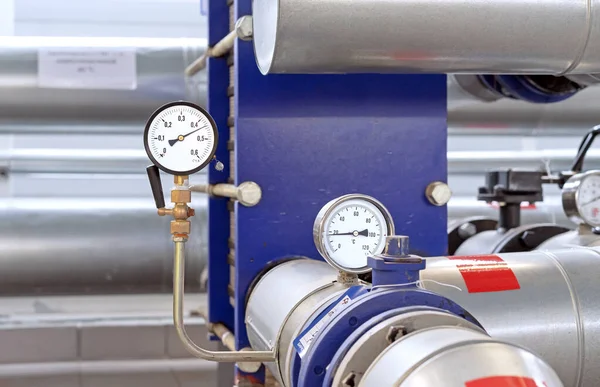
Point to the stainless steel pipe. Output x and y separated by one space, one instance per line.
430 356
280 305
550 306
432 36
97 246
548 211
37 160
160 64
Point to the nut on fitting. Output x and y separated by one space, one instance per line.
180 227
181 196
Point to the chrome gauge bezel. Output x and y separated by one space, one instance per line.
570 198
324 214
201 111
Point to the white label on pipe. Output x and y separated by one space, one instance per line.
91 68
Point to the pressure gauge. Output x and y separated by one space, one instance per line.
581 198
349 229
181 138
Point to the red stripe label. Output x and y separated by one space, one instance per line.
505 381
486 273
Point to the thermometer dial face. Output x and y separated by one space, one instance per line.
181 138
351 228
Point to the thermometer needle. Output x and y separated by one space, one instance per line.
181 137
364 232
591 201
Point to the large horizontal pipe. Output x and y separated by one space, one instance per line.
135 160
67 246
432 36
545 301
159 67
548 211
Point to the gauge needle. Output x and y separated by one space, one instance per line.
181 137
591 201
364 232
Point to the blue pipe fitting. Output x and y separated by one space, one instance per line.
395 266
522 88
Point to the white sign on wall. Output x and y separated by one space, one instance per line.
93 68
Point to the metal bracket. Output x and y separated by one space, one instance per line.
248 193
243 30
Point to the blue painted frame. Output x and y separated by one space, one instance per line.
306 139
219 308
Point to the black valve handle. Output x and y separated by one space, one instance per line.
156 185
585 145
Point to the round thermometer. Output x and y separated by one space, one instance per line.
581 198
349 229
181 138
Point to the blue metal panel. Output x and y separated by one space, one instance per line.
219 308
306 139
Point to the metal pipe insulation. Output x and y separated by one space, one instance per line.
93 246
433 36
159 78
281 303
546 301
435 347
437 356
548 211
133 160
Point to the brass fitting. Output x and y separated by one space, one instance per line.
165 211
180 227
181 180
181 196
180 211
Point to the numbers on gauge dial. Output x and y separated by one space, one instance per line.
588 200
355 230
181 138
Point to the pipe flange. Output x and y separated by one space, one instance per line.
312 369
360 349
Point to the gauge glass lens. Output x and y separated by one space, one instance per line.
588 200
181 138
354 230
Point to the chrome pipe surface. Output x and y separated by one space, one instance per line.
92 246
160 64
546 301
431 36
282 303
548 211
429 356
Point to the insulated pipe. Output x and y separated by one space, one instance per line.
545 301
548 211
431 36
282 302
158 78
92 246
439 355
287 298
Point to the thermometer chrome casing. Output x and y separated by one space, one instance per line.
322 224
575 201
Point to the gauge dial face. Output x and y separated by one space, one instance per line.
588 199
181 138
350 229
